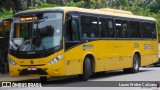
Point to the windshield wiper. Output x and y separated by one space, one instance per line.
14 45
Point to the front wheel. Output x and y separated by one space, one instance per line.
87 70
135 65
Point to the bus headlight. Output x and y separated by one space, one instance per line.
12 62
56 59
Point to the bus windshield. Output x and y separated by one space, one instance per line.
36 32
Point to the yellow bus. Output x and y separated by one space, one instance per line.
5 26
66 41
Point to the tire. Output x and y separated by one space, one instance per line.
43 79
87 70
135 65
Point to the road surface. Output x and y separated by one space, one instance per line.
149 73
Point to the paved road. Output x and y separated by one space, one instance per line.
149 73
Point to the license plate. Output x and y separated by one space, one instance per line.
32 68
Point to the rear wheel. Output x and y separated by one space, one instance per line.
135 65
43 79
87 70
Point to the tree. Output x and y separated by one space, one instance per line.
155 7
87 3
120 4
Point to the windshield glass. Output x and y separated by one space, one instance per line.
36 32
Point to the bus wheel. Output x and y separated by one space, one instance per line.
43 79
87 70
135 65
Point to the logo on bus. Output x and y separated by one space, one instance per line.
87 46
148 46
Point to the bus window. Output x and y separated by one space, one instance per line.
44 33
89 27
146 29
125 33
75 30
107 28
149 25
24 29
72 33
153 31
118 28
121 29
134 27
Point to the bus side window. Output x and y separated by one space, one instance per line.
72 32
118 26
146 29
153 31
107 28
134 27
125 32
89 27
121 29
75 30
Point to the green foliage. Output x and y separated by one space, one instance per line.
120 4
41 5
6 14
95 4
77 4
155 7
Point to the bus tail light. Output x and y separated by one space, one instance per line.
56 59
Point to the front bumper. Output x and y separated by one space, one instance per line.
56 69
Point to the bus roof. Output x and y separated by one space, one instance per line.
103 11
